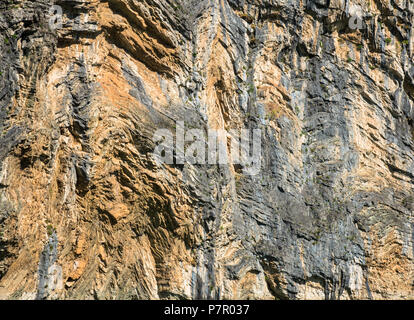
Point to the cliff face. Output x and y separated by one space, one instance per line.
86 212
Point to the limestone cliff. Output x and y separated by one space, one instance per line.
86 212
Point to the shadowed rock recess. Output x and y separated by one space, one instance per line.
86 212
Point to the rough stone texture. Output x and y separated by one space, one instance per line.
85 212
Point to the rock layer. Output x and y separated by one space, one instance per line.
86 212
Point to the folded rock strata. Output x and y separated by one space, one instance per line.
86 212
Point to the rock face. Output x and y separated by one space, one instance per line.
87 213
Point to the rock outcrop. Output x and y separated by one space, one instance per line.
87 213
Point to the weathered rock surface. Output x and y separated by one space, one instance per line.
85 212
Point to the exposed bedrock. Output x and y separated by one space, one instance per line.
87 213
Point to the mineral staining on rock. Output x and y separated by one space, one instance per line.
86 213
